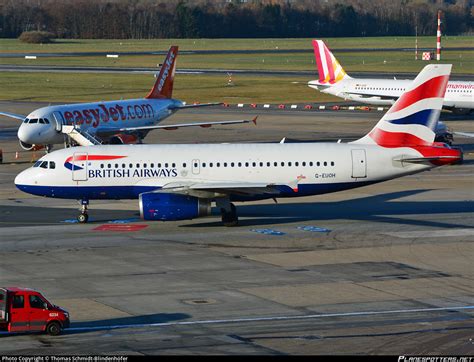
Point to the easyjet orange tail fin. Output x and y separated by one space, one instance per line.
163 87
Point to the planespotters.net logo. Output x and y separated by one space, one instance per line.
435 359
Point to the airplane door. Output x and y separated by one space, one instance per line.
79 166
196 167
359 164
58 118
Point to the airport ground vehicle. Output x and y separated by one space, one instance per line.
26 310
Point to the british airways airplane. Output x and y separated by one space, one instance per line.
114 122
177 182
334 80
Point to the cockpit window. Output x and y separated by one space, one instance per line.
44 164
46 121
41 121
26 120
34 120
37 163
52 165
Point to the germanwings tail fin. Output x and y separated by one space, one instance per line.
163 87
329 69
412 120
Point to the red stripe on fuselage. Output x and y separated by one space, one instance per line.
396 139
433 88
93 158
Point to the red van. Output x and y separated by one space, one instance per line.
26 310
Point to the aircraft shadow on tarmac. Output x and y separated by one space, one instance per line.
133 321
377 208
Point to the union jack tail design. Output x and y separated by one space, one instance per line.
163 87
412 120
329 69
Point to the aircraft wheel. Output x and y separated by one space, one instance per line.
230 218
83 218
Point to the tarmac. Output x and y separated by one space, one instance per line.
383 269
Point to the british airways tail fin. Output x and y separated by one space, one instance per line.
412 119
329 69
163 87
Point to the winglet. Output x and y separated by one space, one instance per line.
255 120
163 87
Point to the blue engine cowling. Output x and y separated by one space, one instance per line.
169 207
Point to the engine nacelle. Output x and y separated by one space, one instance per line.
28 147
123 139
170 207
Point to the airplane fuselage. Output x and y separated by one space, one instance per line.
385 91
126 171
43 126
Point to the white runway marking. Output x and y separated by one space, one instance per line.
275 318
432 234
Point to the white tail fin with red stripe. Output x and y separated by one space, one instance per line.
329 69
163 87
412 120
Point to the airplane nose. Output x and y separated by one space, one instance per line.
21 179
25 134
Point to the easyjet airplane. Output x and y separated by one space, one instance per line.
334 80
177 182
114 122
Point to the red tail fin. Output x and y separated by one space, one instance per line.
163 87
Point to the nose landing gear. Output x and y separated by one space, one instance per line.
83 217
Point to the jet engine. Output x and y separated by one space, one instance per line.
29 147
170 207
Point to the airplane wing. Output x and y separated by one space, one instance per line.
197 105
213 189
195 124
464 134
368 95
13 115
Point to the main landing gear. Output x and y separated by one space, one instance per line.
228 212
83 217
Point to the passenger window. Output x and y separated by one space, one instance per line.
225 164
232 164
124 165
211 164
166 165
101 165
325 163
184 165
332 163
261 164
36 302
296 163
289 164
116 165
254 164
173 165
246 164
109 165
275 164
268 164
159 165
240 164
144 165
138 165
52 165
311 164
203 164
18 302
130 165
